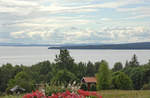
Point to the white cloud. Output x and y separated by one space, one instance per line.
76 35
63 21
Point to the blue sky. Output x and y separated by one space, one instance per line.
74 21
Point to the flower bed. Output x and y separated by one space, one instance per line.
67 94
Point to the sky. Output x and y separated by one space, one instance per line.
74 21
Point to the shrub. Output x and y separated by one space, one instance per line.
146 86
121 81
50 89
84 87
93 87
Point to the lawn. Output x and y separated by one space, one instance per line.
10 96
125 94
113 94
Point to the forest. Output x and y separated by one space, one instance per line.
131 76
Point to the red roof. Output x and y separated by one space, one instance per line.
89 79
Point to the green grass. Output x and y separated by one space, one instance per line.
10 96
125 94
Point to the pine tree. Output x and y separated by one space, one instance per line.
134 62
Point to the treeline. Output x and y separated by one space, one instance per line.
65 70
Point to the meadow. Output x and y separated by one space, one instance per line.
125 94
113 94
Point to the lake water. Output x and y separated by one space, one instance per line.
32 55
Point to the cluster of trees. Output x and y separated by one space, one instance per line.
65 70
132 76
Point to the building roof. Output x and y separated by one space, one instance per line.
89 79
17 88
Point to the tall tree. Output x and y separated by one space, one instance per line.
134 62
81 71
7 73
103 76
117 66
64 60
126 64
137 76
97 65
64 76
90 69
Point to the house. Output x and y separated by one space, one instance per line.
89 81
17 89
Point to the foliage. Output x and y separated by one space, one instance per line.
50 89
64 76
117 66
146 86
137 76
121 81
93 87
23 80
90 69
64 70
65 94
84 86
103 76
64 60
134 62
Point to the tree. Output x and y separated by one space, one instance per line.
90 71
134 62
65 61
97 65
103 76
126 64
137 76
6 73
121 81
117 66
81 70
64 76
23 80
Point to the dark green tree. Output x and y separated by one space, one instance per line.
65 61
137 76
23 80
126 64
6 73
117 66
97 65
64 76
90 70
134 62
103 76
81 71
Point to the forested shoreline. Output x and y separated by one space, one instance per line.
131 76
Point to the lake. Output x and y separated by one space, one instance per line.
32 55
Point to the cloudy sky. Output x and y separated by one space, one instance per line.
74 21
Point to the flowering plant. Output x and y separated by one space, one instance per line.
67 94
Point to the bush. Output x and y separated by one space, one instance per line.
93 87
146 86
84 87
121 81
50 89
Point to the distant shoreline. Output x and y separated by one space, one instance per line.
127 46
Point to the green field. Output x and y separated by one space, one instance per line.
125 94
10 96
114 94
